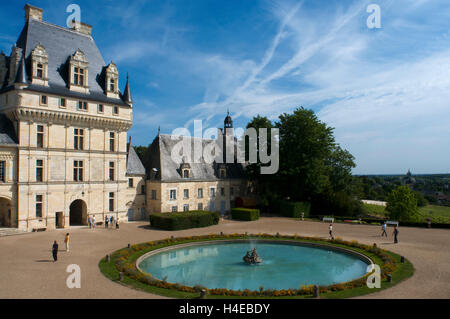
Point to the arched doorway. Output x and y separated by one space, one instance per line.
78 213
6 218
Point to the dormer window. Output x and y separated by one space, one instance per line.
78 72
185 170
112 81
78 76
39 65
222 171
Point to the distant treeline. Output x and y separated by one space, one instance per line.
378 187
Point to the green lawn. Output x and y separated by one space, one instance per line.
439 214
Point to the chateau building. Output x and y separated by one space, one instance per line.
194 184
64 154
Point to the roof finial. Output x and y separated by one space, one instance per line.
159 130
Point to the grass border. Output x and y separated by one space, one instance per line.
124 260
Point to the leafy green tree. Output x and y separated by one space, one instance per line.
140 151
421 200
313 167
263 183
402 204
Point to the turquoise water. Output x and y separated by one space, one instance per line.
283 266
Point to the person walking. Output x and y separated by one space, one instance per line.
383 228
93 221
55 251
117 224
111 221
106 221
331 231
395 233
90 222
66 241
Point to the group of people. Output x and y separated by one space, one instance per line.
108 221
383 233
55 247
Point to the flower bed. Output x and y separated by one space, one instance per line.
124 261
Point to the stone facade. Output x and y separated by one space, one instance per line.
70 157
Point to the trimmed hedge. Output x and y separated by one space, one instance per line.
294 209
184 220
244 214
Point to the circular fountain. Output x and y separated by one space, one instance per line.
286 264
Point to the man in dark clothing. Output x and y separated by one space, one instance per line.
55 251
395 235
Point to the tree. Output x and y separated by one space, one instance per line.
263 183
313 167
140 151
421 200
402 204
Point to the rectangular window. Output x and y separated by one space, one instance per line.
173 194
78 138
112 85
77 171
112 139
83 106
62 102
40 136
200 193
116 110
174 209
200 206
2 171
153 194
39 170
40 71
186 193
222 191
78 76
111 171
130 182
43 99
100 108
111 202
212 192
38 205
186 207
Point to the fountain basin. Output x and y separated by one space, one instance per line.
286 264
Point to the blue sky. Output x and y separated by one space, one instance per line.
385 91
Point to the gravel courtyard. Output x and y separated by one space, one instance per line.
28 271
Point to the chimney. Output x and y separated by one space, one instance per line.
81 27
32 12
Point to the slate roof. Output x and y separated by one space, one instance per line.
61 43
134 164
159 157
7 132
